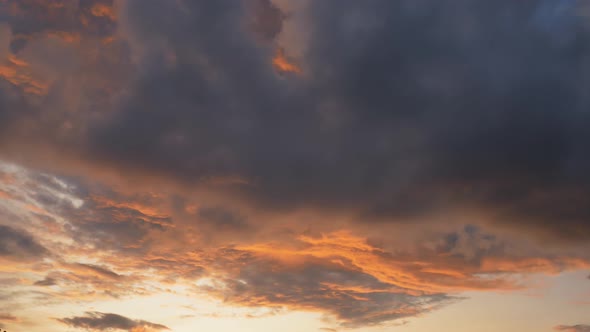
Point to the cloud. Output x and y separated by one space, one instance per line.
267 19
139 239
354 298
333 173
95 270
5 35
7 317
64 19
58 55
573 328
432 123
283 64
97 321
221 218
360 284
47 281
19 245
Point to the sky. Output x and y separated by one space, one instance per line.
294 165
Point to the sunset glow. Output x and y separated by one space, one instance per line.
294 165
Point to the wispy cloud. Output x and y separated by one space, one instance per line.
7 317
98 321
573 328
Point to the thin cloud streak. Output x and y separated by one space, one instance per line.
573 328
98 321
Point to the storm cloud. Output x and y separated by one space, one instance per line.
404 109
401 109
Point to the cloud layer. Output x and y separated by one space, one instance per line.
141 244
369 160
394 111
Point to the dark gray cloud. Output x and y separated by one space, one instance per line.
355 298
267 19
99 321
19 245
222 218
11 103
405 109
29 18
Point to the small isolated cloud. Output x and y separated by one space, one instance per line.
98 321
573 328
93 270
48 281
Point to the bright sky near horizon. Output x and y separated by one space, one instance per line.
309 165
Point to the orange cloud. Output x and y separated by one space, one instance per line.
68 37
36 209
340 272
16 71
90 270
532 265
120 208
146 209
348 251
102 10
5 195
429 274
283 64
